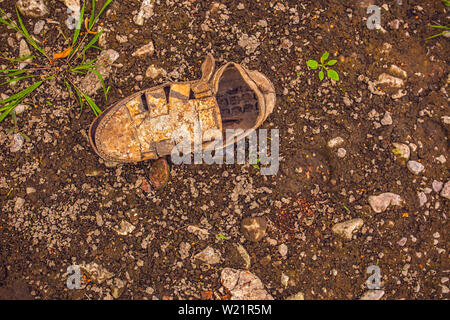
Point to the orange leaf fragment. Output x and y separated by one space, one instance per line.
63 54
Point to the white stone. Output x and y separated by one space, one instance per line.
387 119
18 204
437 185
154 72
297 296
243 285
415 167
144 50
389 80
381 202
208 255
335 142
38 26
446 190
401 150
17 142
124 228
283 249
145 12
372 295
347 228
341 152
32 8
422 198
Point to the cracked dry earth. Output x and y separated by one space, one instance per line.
363 176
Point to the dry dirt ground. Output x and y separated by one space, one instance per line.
61 205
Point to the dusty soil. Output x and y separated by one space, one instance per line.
79 200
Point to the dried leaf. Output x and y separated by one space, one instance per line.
63 54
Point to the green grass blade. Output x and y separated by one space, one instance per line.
101 11
9 70
17 79
78 27
92 104
79 98
91 18
99 76
10 24
438 26
13 116
22 93
15 73
69 88
27 35
436 35
93 41
9 108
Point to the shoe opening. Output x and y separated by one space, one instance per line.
237 101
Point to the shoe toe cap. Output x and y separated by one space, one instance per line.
116 139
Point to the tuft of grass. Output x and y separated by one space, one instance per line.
324 66
446 30
63 66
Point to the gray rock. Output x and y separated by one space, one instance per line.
124 228
335 142
446 190
17 142
90 83
387 119
243 285
199 232
254 229
341 152
38 26
437 185
20 108
19 204
422 198
402 241
208 255
298 296
98 219
184 250
97 272
24 51
389 80
381 202
32 8
347 228
244 255
249 43
154 72
372 295
283 250
30 190
401 150
148 49
415 167
397 71
145 12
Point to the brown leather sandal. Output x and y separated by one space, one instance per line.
140 127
